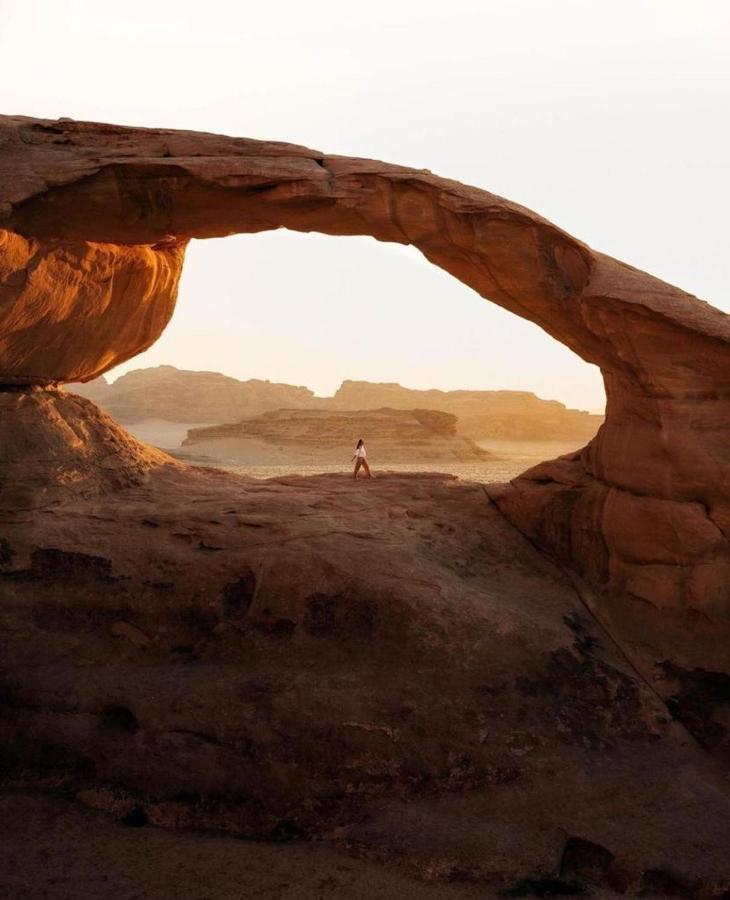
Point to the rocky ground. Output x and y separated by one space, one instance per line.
76 852
389 670
377 681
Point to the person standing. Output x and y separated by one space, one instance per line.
361 460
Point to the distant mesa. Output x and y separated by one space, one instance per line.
514 415
176 395
324 437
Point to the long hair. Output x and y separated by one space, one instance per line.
359 444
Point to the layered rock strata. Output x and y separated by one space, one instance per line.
310 436
482 415
177 395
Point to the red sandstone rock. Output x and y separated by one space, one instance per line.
74 309
56 446
665 355
277 645
387 666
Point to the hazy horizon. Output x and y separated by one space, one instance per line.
116 373
608 119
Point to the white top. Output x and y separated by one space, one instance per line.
360 452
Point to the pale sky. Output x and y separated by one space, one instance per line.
609 118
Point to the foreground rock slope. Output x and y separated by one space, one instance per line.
388 667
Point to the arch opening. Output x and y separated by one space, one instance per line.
361 327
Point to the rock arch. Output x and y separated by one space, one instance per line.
95 219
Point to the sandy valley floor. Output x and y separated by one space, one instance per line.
510 457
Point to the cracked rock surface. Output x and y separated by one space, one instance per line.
387 667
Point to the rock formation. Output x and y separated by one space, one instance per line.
55 446
515 415
391 667
176 395
388 667
95 219
315 437
73 309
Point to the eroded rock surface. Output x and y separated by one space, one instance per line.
72 309
55 446
392 666
388 667
659 464
179 395
295 437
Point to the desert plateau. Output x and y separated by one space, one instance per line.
259 428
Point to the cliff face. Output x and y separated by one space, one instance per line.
313 436
176 395
516 415
165 392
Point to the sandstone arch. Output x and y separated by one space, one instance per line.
95 219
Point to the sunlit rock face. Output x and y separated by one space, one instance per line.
55 446
80 307
643 510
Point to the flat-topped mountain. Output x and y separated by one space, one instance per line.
177 395
519 415
325 436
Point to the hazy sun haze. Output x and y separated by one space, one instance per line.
611 119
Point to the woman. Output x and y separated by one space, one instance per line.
360 458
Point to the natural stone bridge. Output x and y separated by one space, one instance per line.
95 220
391 668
